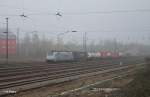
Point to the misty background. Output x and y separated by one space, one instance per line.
107 23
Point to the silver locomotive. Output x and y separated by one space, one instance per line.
56 56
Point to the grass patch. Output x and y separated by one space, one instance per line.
140 86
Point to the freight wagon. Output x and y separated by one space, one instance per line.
103 54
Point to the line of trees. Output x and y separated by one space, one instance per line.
35 46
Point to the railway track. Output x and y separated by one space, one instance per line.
10 78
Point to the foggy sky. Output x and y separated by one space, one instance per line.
122 26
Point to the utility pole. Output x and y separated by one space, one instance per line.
58 42
7 40
58 38
85 42
115 45
18 42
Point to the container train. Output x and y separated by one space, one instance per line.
56 56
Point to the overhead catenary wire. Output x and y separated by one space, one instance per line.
27 15
108 12
82 13
93 12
